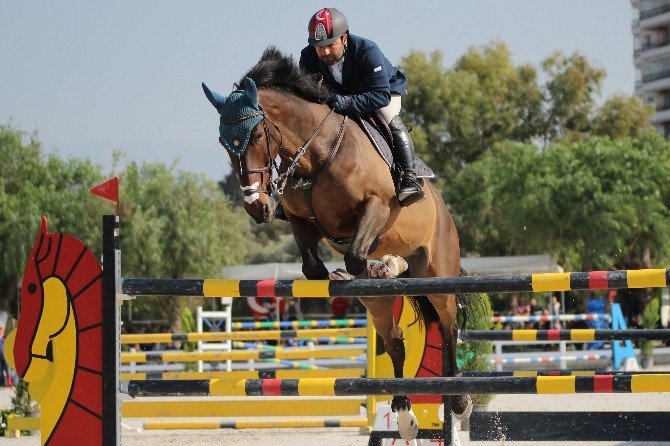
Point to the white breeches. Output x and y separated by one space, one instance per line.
391 110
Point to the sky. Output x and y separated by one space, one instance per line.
96 76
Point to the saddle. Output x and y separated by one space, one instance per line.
381 138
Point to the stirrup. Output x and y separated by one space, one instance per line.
410 195
280 214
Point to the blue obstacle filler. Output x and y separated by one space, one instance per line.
621 350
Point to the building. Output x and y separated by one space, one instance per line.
651 34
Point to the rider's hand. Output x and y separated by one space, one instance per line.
339 103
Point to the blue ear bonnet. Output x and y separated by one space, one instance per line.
240 113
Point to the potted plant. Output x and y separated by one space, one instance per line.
651 315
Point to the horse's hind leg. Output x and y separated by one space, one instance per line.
461 405
441 258
381 312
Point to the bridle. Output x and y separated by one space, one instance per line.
254 189
281 180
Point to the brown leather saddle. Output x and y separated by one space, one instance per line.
380 135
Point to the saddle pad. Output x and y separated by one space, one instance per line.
384 150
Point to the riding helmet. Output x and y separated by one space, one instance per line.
326 26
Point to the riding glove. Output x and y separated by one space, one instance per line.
339 103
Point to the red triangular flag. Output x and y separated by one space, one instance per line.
108 189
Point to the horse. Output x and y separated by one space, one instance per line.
335 187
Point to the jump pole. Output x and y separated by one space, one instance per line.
636 383
593 280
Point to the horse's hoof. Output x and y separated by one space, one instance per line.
396 264
408 425
340 274
465 414
399 403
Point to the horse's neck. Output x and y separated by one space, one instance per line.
299 120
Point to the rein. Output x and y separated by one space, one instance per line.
282 180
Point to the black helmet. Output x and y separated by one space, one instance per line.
326 26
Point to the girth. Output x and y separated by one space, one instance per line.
307 183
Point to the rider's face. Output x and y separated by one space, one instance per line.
331 54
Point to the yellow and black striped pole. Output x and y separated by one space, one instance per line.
593 280
562 335
636 383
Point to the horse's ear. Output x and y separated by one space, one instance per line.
251 92
215 98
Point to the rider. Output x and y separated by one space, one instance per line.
365 81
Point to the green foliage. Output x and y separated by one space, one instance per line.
176 225
592 205
570 94
21 406
474 356
622 117
651 315
485 99
33 184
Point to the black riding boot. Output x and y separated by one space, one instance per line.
409 190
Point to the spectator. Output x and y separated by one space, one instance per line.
555 311
523 309
535 310
292 311
5 379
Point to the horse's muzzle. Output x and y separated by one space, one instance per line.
262 212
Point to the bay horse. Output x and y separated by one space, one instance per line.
335 187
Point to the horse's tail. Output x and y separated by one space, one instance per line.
468 305
424 310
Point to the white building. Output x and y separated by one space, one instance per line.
651 33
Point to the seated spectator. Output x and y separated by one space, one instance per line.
535 310
523 309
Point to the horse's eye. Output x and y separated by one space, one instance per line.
258 137
32 288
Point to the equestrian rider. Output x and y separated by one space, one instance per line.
365 81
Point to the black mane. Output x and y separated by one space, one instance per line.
280 72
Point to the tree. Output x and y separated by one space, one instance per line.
622 117
33 184
461 112
570 92
176 225
485 99
597 204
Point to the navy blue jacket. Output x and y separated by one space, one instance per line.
367 76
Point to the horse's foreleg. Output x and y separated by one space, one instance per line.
370 223
307 238
381 313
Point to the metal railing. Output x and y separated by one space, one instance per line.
654 11
656 76
653 45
